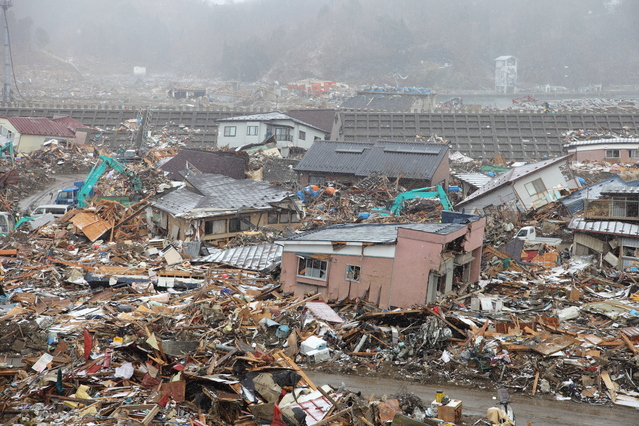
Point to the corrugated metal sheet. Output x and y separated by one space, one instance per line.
601 141
40 126
604 227
260 258
475 179
411 160
631 332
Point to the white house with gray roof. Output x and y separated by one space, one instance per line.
257 128
612 150
523 188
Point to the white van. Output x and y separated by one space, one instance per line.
57 210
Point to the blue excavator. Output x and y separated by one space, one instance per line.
394 206
79 194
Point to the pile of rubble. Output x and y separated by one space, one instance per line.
217 347
106 324
586 105
35 171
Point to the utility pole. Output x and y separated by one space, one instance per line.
6 91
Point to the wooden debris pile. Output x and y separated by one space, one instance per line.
211 355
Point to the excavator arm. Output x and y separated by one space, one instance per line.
427 192
96 173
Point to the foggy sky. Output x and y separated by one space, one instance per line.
441 43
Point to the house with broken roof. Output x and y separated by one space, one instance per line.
415 164
576 201
231 164
215 208
387 264
614 150
29 133
471 182
257 128
523 188
392 99
609 228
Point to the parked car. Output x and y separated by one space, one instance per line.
57 210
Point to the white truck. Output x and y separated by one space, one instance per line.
529 234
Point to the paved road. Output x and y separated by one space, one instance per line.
47 196
541 412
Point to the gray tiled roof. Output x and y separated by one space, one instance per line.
381 233
511 176
223 163
411 160
621 190
322 118
213 194
574 202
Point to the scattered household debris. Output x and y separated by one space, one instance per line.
107 322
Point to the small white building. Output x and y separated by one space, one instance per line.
613 150
505 74
523 188
257 128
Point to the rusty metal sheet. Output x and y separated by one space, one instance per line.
90 224
176 390
631 332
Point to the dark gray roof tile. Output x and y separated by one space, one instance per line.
217 193
411 160
380 233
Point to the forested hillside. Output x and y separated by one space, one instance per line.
436 43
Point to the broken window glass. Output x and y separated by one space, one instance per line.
352 273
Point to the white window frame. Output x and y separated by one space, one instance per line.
283 134
252 130
309 267
610 153
535 187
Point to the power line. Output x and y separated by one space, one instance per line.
5 6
